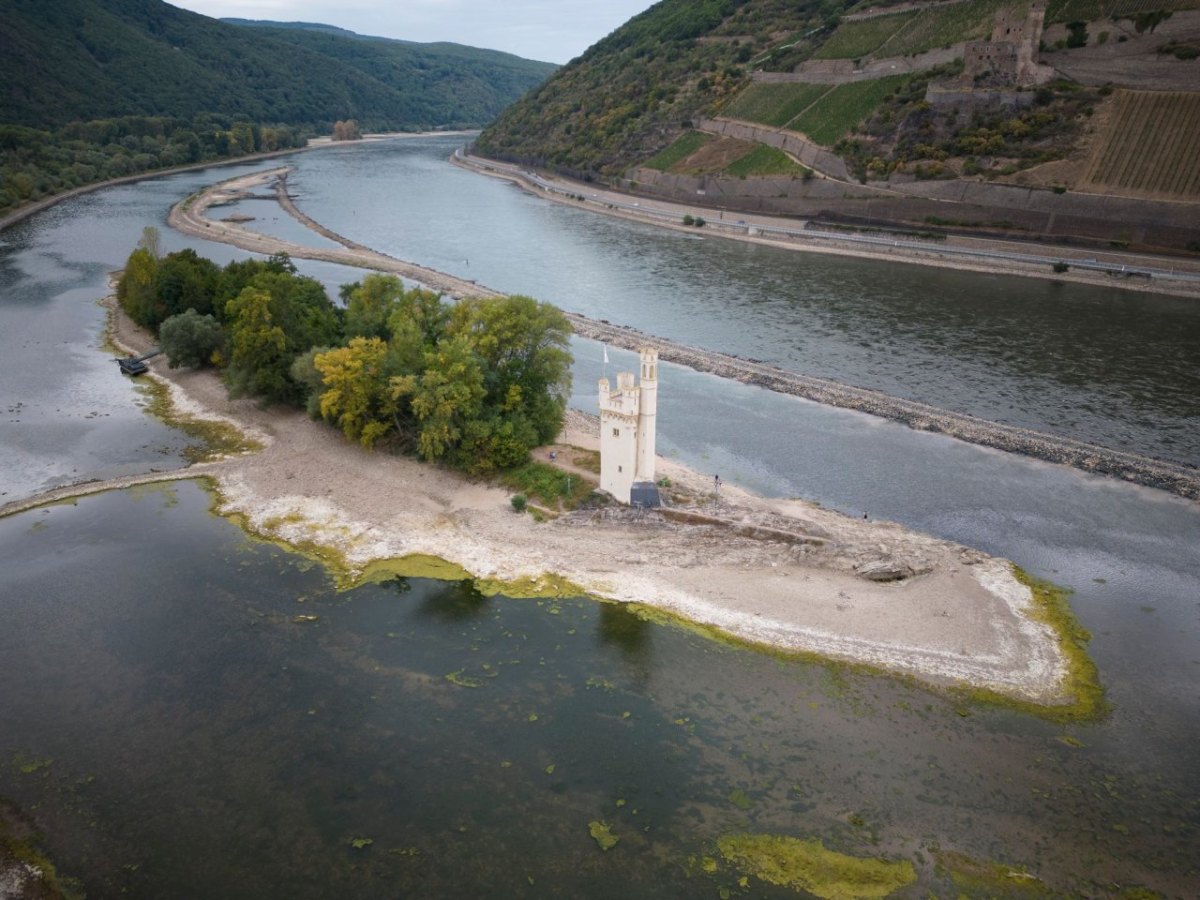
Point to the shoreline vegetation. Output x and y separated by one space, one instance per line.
781 575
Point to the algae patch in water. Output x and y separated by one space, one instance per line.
984 878
218 439
808 866
415 565
464 680
602 835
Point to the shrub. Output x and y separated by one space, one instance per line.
519 502
190 339
1060 267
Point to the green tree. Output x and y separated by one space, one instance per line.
523 349
301 308
311 384
446 396
190 339
416 324
259 360
151 240
183 280
370 303
135 289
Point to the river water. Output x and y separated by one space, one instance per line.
177 733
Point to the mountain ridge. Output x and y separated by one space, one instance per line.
84 59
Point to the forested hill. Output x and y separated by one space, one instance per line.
75 60
477 84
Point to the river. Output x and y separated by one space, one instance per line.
179 733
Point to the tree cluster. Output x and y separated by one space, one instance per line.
475 383
251 318
346 131
36 163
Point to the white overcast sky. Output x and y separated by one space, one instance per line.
549 30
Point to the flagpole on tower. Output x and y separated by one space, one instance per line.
605 360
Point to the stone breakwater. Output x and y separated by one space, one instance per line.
1177 478
1168 476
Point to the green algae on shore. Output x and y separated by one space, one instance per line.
24 867
218 439
809 866
1086 697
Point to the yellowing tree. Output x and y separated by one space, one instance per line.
357 397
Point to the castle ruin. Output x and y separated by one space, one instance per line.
1009 58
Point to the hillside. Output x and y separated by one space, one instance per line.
869 91
435 78
74 60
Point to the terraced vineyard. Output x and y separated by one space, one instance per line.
1093 10
941 26
1149 148
855 39
764 160
839 111
683 147
774 104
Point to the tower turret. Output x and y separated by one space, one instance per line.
647 415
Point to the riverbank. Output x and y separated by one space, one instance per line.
190 216
990 256
24 212
950 616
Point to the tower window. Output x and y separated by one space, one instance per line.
616 432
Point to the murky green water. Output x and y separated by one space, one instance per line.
183 735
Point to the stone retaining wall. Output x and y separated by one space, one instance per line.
812 155
840 71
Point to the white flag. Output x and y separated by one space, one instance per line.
606 354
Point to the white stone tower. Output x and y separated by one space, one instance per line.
628 417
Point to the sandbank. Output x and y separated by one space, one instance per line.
785 574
